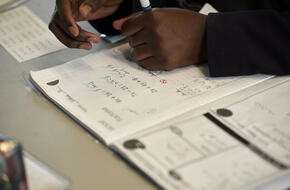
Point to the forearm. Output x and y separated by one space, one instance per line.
244 43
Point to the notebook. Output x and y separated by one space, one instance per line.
133 111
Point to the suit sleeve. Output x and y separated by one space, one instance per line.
250 42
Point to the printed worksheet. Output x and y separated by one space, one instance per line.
113 96
25 36
198 154
263 119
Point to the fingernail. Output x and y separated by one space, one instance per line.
86 10
93 40
85 47
73 31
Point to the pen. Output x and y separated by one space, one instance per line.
145 5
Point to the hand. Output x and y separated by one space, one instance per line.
68 12
165 39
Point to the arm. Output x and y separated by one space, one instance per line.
250 42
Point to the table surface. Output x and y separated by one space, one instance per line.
48 133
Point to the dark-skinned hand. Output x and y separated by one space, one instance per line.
165 38
68 12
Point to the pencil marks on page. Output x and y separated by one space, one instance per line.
267 125
191 150
137 96
187 143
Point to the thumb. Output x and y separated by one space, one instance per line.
117 24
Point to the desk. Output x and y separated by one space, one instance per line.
48 133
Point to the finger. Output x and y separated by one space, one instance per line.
83 36
150 63
138 38
141 52
66 39
65 12
88 36
89 6
61 23
130 25
117 24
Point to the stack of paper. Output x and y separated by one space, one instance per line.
25 36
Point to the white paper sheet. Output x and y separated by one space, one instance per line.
25 36
207 8
196 154
115 97
40 177
264 120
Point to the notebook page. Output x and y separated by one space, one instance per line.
207 8
115 97
25 36
196 154
263 119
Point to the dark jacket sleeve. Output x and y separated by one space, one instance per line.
249 42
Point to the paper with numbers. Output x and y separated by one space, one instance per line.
267 125
115 97
25 36
199 154
244 145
